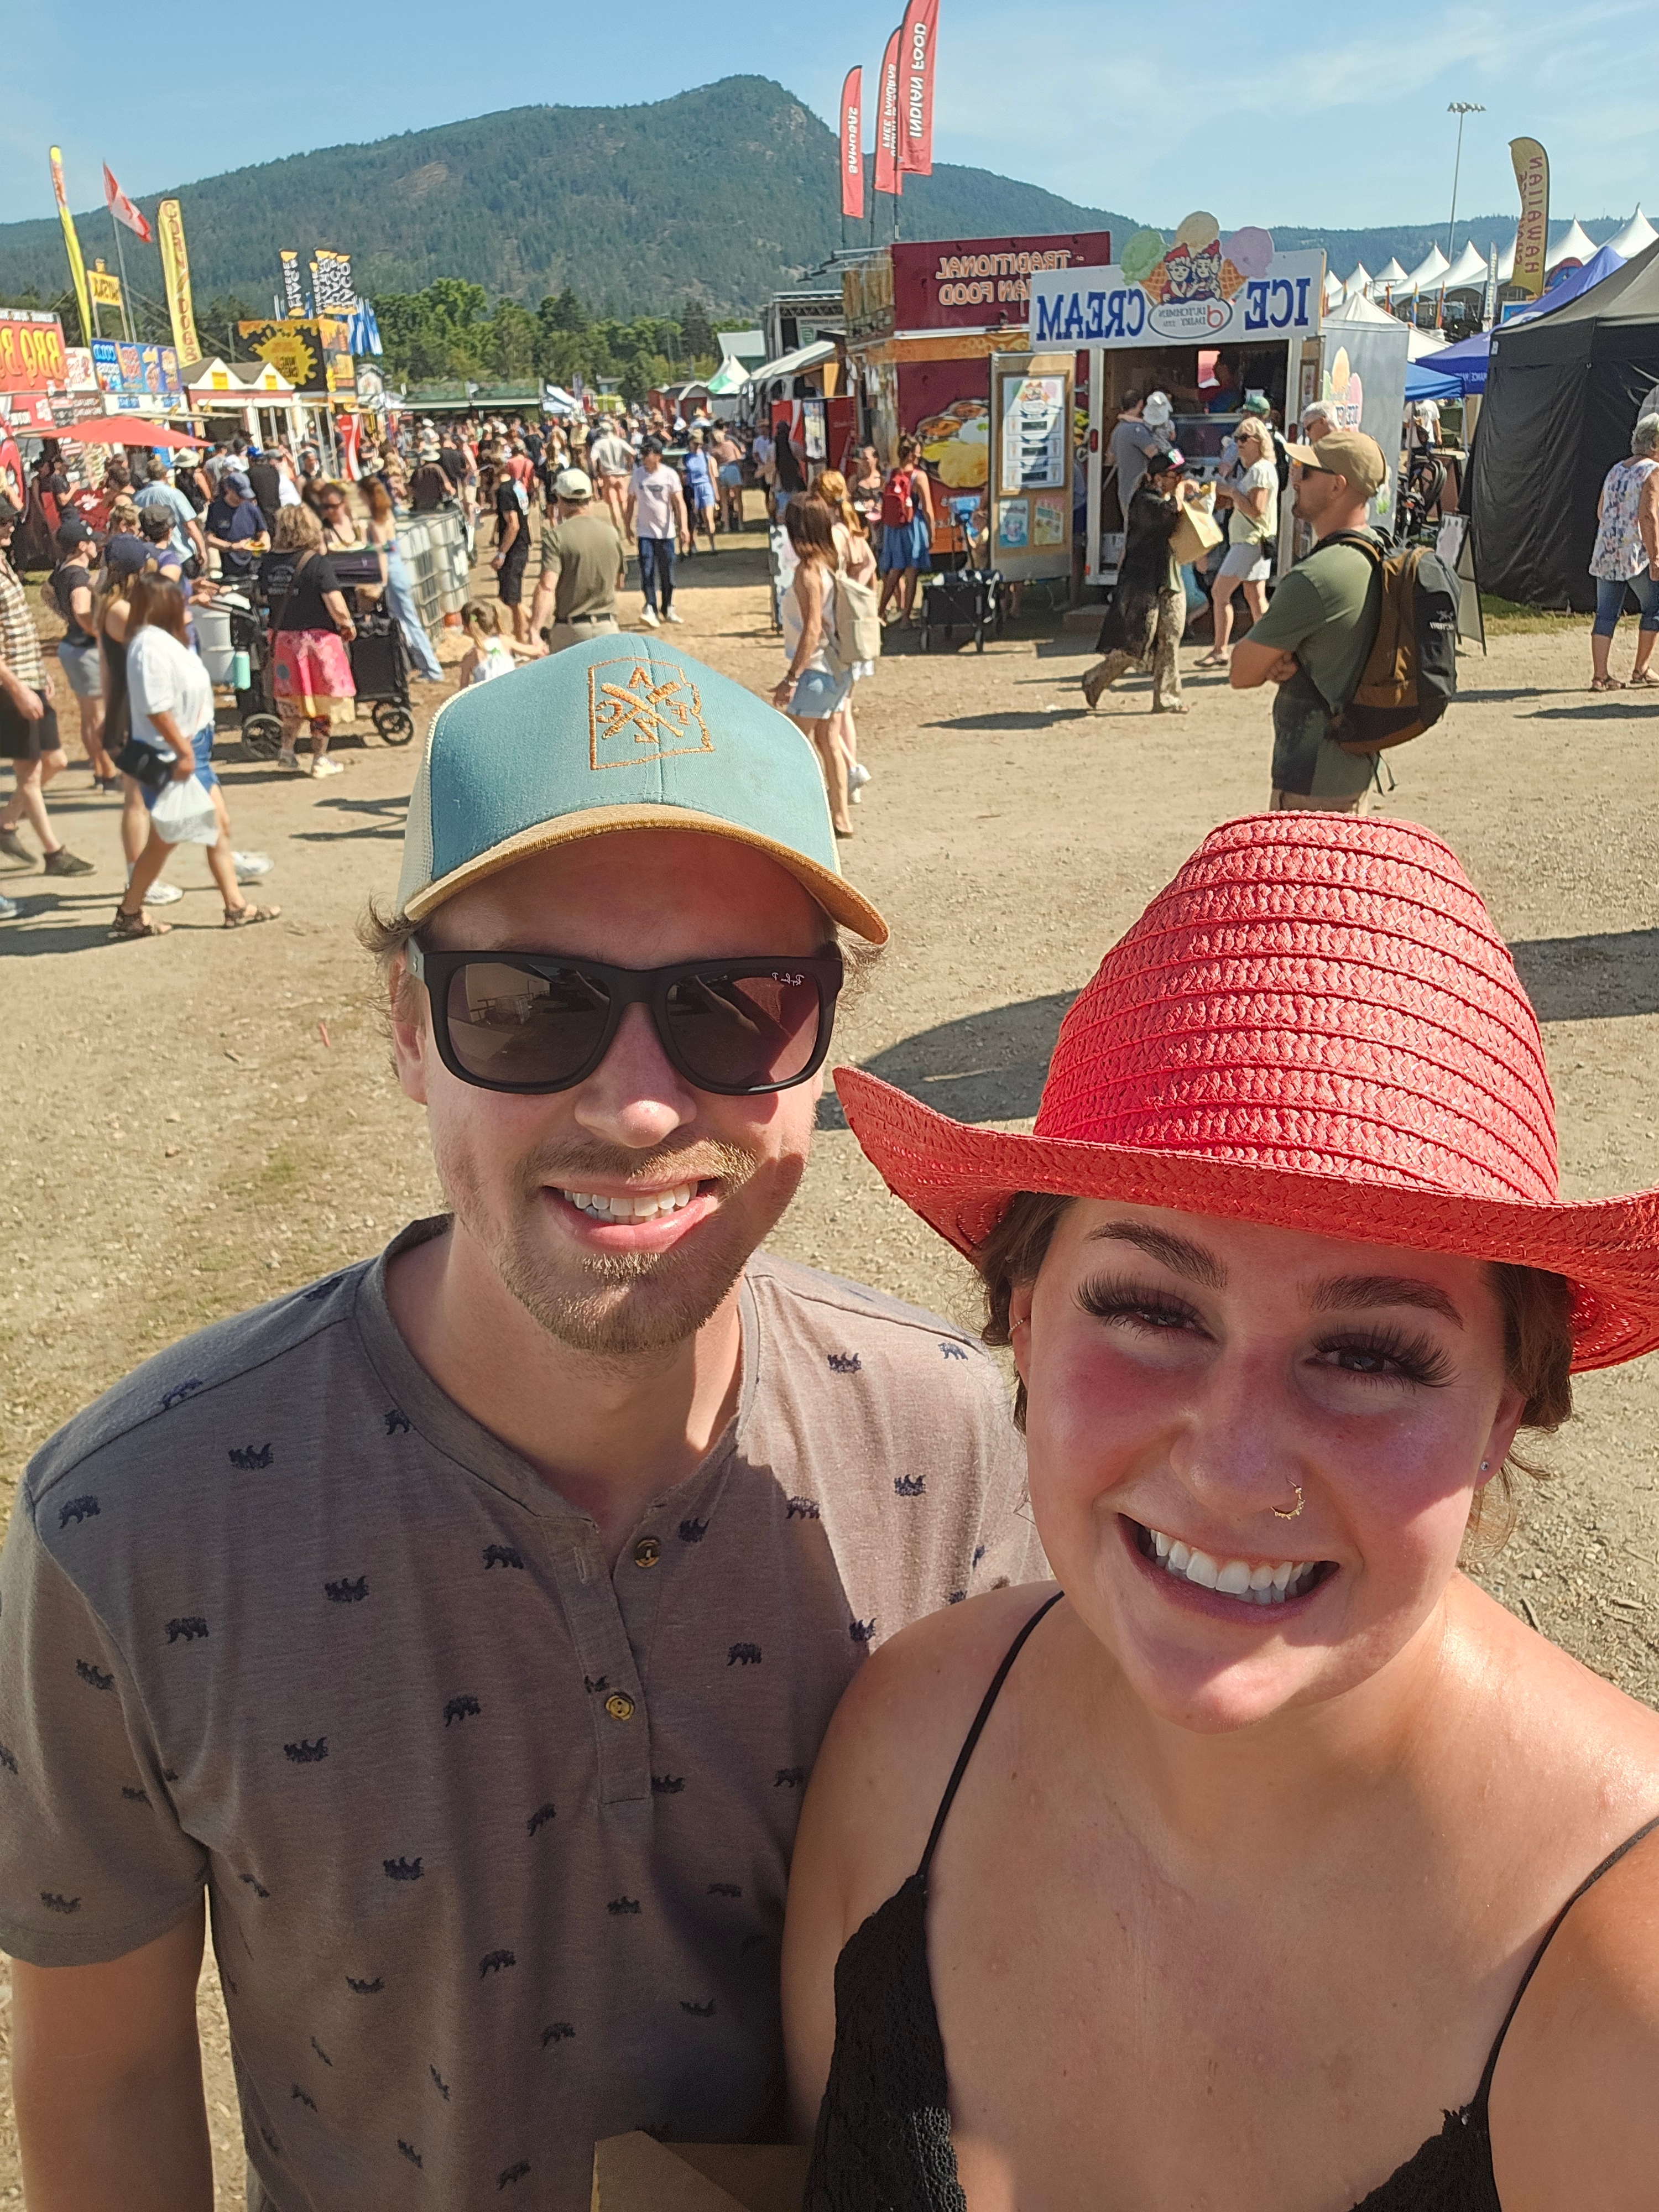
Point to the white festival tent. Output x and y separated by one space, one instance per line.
1360 281
1333 292
1422 278
1506 264
1576 246
1392 275
1637 234
1356 308
1465 274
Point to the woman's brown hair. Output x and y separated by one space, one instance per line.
811 531
158 601
1536 1306
380 500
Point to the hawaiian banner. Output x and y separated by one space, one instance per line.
293 299
889 178
918 37
852 145
72 245
1532 232
175 273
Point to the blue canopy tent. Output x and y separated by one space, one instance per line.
1423 383
1465 364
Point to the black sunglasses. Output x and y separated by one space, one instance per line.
544 1021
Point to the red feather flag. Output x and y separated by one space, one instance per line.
852 145
918 38
889 176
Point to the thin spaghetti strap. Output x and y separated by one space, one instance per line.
1550 1934
977 1729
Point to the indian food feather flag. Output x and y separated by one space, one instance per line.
1532 232
852 145
918 38
889 176
72 246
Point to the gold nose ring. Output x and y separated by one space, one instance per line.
1279 1514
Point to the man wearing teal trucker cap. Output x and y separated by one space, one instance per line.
466 1624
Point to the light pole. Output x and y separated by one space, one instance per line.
1460 108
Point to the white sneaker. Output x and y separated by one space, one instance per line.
649 618
325 767
161 893
858 775
287 757
673 614
250 866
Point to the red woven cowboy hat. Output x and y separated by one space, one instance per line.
1314 1026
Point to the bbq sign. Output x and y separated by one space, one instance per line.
31 357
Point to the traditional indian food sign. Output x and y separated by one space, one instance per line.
1200 288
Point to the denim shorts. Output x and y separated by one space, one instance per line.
202 745
83 669
818 695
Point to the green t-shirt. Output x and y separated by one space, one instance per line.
1324 612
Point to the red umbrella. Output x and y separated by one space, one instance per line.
121 430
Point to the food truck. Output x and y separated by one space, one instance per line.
1208 321
939 347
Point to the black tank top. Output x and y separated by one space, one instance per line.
884 2134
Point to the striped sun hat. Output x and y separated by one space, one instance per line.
1314 1026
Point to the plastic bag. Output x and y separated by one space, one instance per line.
184 815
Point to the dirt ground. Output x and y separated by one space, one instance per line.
202 1121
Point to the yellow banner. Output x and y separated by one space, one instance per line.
176 275
104 288
72 245
1532 235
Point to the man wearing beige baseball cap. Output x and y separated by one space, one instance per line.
584 563
1313 640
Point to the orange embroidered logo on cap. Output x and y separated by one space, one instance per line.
648 715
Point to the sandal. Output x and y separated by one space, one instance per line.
243 917
1643 679
1211 660
137 925
1606 684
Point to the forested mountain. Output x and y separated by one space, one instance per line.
721 195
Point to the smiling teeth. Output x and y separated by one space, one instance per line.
1257 1585
646 1207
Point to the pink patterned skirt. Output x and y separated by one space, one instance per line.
311 674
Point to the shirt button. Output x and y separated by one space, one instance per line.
646 1552
619 1705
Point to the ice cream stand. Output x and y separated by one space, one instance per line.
1164 318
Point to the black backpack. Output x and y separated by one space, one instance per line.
1410 675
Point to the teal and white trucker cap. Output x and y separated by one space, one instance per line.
619 733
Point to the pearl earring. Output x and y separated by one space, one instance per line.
1485 1464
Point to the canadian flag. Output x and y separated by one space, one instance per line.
122 207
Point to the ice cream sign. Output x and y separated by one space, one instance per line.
1196 288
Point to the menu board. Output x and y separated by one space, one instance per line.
1033 412
1031 491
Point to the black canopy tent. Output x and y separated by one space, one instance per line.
1561 400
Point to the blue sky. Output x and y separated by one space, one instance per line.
1066 94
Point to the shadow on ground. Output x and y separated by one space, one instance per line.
984 1068
1586 979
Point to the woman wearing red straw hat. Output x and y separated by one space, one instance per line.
1266 1861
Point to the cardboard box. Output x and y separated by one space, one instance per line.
635 2173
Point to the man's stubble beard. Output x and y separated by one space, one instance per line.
625 1305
